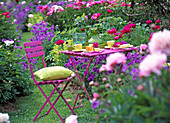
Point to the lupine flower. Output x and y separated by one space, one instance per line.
113 59
148 22
71 119
160 42
59 42
152 63
95 104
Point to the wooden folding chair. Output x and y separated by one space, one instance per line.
35 50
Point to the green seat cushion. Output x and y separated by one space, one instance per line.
53 73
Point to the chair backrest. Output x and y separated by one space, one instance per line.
34 49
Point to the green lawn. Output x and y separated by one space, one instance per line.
28 106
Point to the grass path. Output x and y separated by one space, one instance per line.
28 106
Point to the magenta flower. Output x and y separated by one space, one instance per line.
95 16
148 21
116 38
158 21
95 44
109 11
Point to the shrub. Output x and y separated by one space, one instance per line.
13 81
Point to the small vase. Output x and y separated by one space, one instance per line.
94 37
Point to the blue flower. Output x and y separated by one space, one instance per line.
95 104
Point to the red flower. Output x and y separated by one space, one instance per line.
120 35
157 27
148 21
169 26
133 25
113 30
59 42
82 29
95 44
6 14
16 0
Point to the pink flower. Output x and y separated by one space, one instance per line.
143 47
113 59
158 21
95 44
152 63
104 79
157 27
119 79
82 29
109 11
29 24
96 95
30 15
160 42
107 85
113 30
148 21
140 87
95 16
116 38
102 68
71 119
117 44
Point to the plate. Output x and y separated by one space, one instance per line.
107 47
77 50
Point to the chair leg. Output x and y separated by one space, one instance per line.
47 100
60 94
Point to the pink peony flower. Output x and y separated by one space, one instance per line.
29 24
140 87
71 119
107 85
113 59
160 42
96 95
158 21
104 79
143 47
152 63
148 21
102 68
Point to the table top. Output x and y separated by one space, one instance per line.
96 53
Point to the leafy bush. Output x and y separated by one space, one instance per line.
13 81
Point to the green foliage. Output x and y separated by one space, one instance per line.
13 81
7 29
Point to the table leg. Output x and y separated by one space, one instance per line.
90 61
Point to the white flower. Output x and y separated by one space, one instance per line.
23 2
71 119
29 24
30 15
8 43
49 2
39 1
55 7
0 46
4 118
2 3
15 20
